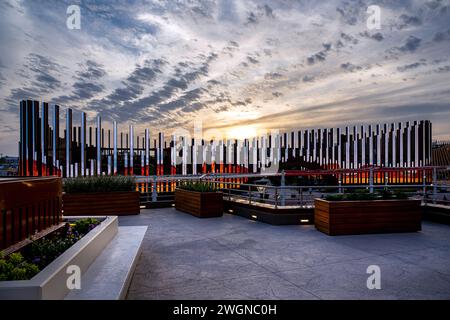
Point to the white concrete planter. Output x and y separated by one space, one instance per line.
51 282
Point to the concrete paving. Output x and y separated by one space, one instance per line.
231 257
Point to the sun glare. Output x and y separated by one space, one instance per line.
241 133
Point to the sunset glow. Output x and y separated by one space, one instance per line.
242 132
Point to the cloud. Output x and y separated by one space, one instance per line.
411 66
87 84
252 60
308 78
86 90
261 12
317 57
321 55
173 94
349 12
92 70
277 94
350 67
406 21
251 18
47 81
349 38
443 69
163 64
273 76
378 36
187 102
411 44
40 76
227 11
268 11
2 79
442 36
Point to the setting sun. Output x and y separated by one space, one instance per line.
242 132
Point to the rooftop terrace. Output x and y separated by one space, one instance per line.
234 258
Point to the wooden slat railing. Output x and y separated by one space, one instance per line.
27 206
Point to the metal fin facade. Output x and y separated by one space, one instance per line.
82 150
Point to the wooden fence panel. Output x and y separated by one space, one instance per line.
28 205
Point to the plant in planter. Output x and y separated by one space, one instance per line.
200 199
67 248
198 186
100 195
38 254
366 196
99 184
363 212
15 268
83 226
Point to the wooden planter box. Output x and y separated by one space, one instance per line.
101 203
361 217
199 204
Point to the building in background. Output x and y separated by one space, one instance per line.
8 166
47 149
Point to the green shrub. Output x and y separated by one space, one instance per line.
43 251
361 196
37 255
365 196
83 226
335 197
198 186
14 267
400 195
99 184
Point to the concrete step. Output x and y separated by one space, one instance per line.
109 276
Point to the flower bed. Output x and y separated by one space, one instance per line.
51 282
34 257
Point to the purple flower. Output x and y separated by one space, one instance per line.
36 260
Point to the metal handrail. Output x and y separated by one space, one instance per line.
283 195
303 196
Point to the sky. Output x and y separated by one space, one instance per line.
240 67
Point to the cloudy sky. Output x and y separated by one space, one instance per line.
238 66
